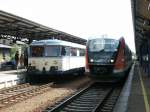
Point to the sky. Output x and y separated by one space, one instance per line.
82 18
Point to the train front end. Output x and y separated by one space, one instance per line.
44 60
101 57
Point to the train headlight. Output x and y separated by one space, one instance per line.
111 60
91 60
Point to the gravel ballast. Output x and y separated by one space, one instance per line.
41 101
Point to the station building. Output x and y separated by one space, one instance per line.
5 50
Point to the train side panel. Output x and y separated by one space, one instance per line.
76 62
56 65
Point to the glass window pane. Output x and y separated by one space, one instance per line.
37 51
65 51
73 52
97 45
82 52
52 50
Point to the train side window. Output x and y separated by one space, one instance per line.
73 52
65 51
82 52
68 51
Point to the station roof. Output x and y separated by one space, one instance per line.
16 27
141 18
4 46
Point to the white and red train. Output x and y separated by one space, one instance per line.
107 59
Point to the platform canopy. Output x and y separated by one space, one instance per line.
141 18
15 27
5 46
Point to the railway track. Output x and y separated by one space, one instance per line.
95 98
19 93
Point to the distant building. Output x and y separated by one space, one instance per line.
8 49
5 41
5 50
4 53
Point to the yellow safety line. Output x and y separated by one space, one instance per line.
144 94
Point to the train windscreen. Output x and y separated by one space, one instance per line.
106 45
37 51
44 51
52 51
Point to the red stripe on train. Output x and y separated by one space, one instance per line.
86 60
120 59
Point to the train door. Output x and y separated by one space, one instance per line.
65 52
68 57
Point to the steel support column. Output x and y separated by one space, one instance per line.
144 56
148 57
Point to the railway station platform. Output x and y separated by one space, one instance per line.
135 96
12 77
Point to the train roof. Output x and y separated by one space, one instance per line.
102 38
56 42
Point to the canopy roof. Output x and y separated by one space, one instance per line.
141 18
4 46
15 27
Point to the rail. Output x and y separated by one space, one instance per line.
19 93
93 98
